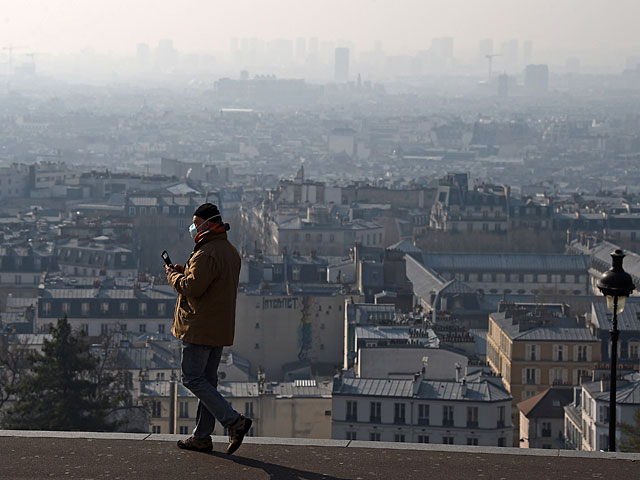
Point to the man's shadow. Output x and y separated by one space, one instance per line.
274 471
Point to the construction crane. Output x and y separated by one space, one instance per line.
11 48
490 58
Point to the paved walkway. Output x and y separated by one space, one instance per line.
99 458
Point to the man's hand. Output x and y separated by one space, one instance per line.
174 268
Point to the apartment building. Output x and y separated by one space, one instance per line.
534 347
472 411
542 418
299 409
586 419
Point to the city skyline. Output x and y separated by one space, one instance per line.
572 26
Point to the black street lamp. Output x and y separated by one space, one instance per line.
616 285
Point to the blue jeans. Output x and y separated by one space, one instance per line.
200 375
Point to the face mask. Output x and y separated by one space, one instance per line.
193 230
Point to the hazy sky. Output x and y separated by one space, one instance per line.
61 26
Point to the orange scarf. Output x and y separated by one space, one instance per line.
216 228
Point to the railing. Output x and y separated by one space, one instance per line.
375 419
423 421
351 418
399 420
447 422
500 424
471 424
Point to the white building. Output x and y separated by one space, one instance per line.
586 420
475 412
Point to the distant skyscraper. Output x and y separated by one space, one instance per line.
536 79
341 64
442 50
527 52
143 54
485 47
166 55
509 51
301 49
503 85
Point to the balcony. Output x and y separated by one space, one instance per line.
351 418
500 424
399 420
423 422
375 419
448 422
472 424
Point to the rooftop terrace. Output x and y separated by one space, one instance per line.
37 455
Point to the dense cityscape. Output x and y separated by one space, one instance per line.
421 249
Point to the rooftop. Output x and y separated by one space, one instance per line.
35 455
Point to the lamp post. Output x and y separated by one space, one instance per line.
616 285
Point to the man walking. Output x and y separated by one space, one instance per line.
204 321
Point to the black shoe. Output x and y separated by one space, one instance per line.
237 431
197 444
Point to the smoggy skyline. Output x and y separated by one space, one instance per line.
117 26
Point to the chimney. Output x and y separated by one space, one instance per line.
463 387
458 369
417 381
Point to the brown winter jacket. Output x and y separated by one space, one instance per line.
206 307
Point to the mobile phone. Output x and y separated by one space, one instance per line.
167 260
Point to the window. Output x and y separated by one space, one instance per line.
399 413
104 307
546 429
85 328
472 441
603 414
66 308
374 436
46 308
559 353
532 352
142 308
447 440
183 430
398 437
531 376
104 328
184 410
351 435
156 409
502 442
161 328
375 412
156 429
124 307
447 416
85 308
580 353
472 418
500 417
423 438
123 327
248 409
634 349
423 414
162 309
352 411
142 328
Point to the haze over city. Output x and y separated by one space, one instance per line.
364 221
597 29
